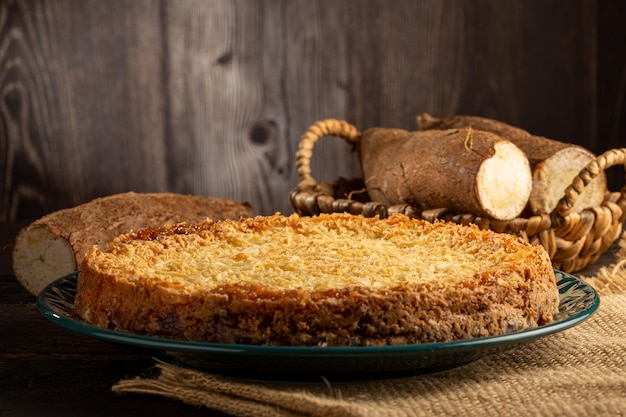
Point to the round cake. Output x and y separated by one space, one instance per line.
328 280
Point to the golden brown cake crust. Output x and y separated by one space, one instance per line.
513 291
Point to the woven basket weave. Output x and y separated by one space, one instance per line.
573 240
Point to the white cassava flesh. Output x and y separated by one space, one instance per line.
503 182
554 174
40 256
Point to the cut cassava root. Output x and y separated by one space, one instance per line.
54 245
465 170
554 164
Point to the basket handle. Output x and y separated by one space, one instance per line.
317 130
587 174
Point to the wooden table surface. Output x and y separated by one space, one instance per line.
46 370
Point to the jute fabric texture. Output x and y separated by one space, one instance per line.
578 372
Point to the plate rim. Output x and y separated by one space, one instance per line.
168 344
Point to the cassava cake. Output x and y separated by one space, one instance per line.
328 280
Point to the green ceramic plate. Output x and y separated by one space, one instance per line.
578 301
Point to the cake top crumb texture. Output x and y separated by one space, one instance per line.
329 251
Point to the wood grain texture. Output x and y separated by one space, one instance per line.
611 84
211 97
81 103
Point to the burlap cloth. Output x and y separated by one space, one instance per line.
578 372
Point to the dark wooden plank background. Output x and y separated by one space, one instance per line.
211 96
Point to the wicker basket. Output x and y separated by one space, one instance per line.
573 240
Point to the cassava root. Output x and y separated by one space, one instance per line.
466 170
554 163
54 245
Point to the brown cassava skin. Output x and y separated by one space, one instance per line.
429 169
100 220
553 163
536 148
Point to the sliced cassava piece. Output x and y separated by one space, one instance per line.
466 170
54 245
554 164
